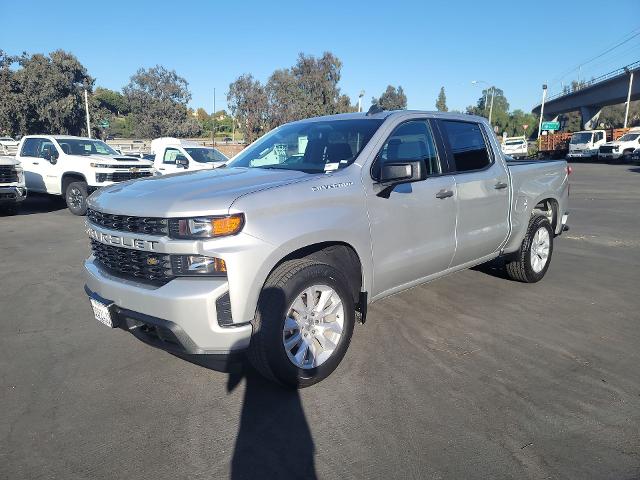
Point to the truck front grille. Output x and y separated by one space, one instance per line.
120 176
606 149
8 174
132 264
125 223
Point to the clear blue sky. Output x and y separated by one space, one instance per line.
420 45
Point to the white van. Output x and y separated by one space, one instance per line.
173 155
586 144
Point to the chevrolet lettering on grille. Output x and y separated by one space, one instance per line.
129 242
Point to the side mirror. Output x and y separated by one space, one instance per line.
396 173
181 161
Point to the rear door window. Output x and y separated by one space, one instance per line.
467 145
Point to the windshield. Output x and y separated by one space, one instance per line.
629 137
76 146
206 155
583 137
310 147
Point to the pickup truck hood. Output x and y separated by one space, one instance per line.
116 161
200 192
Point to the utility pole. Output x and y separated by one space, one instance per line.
213 128
360 100
493 94
544 96
86 109
626 112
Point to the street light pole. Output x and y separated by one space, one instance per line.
544 96
493 94
486 92
213 127
86 109
626 112
360 100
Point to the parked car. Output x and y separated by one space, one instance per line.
279 258
173 155
12 187
515 147
8 142
74 167
621 149
586 144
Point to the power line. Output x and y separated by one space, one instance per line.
624 39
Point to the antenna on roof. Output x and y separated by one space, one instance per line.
375 108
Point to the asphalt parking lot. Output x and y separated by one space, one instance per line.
472 376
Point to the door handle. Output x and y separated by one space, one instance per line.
36 163
161 169
500 185
444 194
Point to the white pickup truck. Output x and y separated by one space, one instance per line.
586 144
622 149
172 155
515 147
75 167
279 252
12 186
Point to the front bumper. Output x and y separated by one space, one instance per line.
583 154
12 194
186 307
610 156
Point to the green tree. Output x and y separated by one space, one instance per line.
309 88
248 103
391 99
158 100
110 100
441 102
43 94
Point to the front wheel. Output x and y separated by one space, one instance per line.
532 260
304 323
76 198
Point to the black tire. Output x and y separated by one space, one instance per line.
520 267
266 352
75 196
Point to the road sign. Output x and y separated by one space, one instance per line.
105 124
550 125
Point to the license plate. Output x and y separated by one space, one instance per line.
102 312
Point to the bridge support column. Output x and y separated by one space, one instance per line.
590 117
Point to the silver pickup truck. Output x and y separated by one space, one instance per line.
278 254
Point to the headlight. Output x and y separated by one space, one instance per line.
101 165
197 265
206 227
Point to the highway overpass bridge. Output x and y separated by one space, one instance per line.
610 89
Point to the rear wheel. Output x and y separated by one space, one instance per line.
76 197
532 260
304 323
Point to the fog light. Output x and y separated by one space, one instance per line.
198 265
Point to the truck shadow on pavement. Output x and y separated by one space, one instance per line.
274 439
37 203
